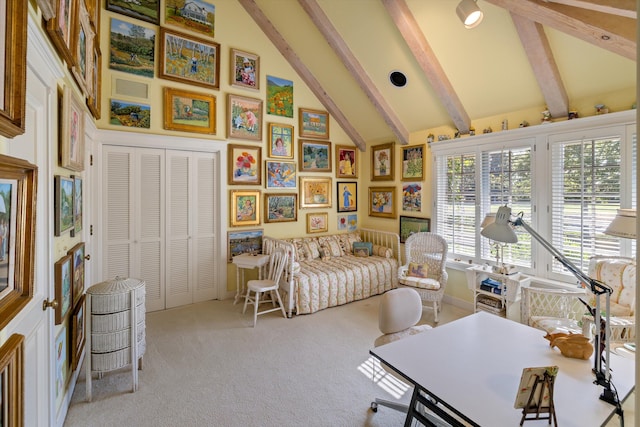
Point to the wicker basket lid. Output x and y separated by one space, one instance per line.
115 286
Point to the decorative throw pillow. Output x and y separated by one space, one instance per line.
382 251
313 249
363 245
418 270
361 252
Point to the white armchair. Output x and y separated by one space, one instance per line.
552 310
424 268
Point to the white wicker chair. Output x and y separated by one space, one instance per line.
552 310
424 268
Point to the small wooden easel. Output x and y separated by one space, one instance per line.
536 404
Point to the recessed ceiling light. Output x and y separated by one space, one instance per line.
397 78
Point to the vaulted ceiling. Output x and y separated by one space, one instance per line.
525 54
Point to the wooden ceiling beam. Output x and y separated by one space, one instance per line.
303 71
426 58
354 67
536 46
613 33
625 8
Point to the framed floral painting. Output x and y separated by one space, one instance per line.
382 202
279 96
315 192
244 117
317 222
382 162
72 131
244 165
245 208
413 163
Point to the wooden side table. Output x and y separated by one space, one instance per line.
115 328
247 262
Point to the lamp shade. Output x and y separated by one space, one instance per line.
623 225
469 13
500 230
490 218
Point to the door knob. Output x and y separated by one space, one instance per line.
46 303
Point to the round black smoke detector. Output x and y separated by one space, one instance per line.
397 79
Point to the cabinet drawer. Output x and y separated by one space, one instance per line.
113 341
116 321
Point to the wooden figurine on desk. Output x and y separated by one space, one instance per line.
576 346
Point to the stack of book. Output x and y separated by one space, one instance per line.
492 286
490 305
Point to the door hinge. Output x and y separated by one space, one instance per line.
90 159
91 230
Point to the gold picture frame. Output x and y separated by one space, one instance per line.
82 50
245 164
12 385
60 26
313 123
280 207
18 184
317 222
280 141
382 202
382 162
245 208
94 101
77 332
315 192
413 162
72 131
245 69
189 111
244 117
13 75
346 161
314 156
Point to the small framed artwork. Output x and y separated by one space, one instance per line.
60 27
147 10
93 102
313 123
347 196
382 162
17 222
62 361
132 48
280 207
12 381
410 225
130 114
244 241
413 163
317 222
82 49
382 202
77 205
63 204
77 267
348 222
280 141
244 117
189 59
315 192
279 96
245 69
194 15
13 67
315 156
347 158
77 333
412 196
280 174
245 208
63 273
72 133
189 111
244 165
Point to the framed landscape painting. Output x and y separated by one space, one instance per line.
279 96
382 202
189 111
315 156
130 114
280 207
244 165
192 15
280 174
82 50
63 204
132 48
63 271
280 141
245 208
245 69
410 225
244 117
313 123
77 205
244 241
413 163
146 10
77 268
189 59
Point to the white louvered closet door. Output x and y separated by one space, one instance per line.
134 218
191 217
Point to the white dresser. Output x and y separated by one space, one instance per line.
116 319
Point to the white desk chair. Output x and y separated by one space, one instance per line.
277 263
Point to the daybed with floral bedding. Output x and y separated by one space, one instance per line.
323 271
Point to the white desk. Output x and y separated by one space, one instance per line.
247 262
472 366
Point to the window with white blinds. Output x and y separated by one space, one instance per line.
566 184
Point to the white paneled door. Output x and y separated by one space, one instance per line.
160 222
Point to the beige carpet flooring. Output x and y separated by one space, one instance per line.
206 366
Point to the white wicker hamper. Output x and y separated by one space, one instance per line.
116 320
